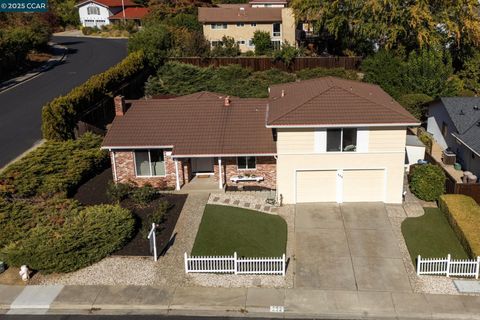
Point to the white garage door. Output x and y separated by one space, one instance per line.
363 185
316 186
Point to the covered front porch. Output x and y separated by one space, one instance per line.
204 174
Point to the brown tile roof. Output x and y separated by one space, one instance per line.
131 13
202 126
203 95
268 1
233 13
333 101
110 3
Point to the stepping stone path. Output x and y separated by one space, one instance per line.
244 200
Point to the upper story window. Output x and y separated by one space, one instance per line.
149 163
276 29
241 42
342 140
240 24
93 10
218 26
244 163
253 24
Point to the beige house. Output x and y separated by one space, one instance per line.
240 21
319 140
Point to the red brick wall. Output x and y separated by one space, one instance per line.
266 167
125 168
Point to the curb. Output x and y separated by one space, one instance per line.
55 60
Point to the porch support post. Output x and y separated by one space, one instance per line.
177 180
220 178
114 167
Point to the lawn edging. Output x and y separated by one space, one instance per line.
463 215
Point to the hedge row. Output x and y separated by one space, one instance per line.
55 167
60 235
427 181
60 116
463 214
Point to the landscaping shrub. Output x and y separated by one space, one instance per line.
117 192
60 116
144 195
70 238
427 182
180 79
416 104
463 214
311 73
262 42
157 216
54 167
90 30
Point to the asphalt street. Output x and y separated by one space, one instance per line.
120 317
20 106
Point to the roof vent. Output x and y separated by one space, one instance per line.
461 112
476 108
478 124
242 9
283 93
226 102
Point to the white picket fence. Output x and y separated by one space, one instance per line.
448 267
234 264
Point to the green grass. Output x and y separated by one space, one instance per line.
225 230
431 236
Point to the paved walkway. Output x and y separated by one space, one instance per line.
305 303
347 247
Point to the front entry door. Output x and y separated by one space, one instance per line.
202 165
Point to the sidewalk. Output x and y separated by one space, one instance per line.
60 53
239 302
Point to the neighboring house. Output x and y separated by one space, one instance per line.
135 14
319 140
454 123
97 13
240 21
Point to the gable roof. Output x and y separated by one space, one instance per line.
109 3
194 126
131 13
331 101
235 13
466 119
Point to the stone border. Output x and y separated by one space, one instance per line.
244 199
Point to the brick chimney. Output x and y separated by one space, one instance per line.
120 106
226 103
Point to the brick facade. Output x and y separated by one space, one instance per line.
266 167
125 169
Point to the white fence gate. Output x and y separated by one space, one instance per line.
448 267
233 264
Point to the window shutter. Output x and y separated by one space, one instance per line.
362 139
320 140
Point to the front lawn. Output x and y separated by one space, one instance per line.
431 236
225 230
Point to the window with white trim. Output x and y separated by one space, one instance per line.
241 42
240 24
149 163
250 43
218 26
342 140
253 24
276 29
246 163
92 10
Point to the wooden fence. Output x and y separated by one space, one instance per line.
265 63
448 267
453 187
235 265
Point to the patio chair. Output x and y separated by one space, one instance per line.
272 198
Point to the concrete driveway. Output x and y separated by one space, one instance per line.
347 247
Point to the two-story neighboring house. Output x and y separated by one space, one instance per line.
97 13
240 21
319 140
454 123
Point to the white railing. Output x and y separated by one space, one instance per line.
448 267
233 264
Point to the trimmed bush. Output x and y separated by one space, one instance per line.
463 214
60 116
322 72
427 182
157 216
143 195
70 238
54 167
117 192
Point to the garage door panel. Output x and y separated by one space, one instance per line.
316 186
363 185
